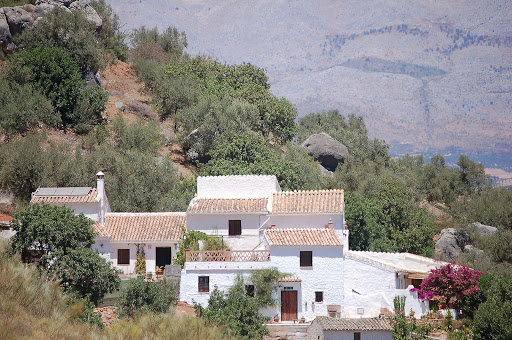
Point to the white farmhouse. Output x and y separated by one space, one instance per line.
302 233
120 236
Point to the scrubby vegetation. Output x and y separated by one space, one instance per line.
226 121
32 306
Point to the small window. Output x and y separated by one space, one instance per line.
123 256
306 259
249 290
357 336
319 296
204 284
235 227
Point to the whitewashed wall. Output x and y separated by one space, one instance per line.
326 276
305 220
149 249
90 210
236 186
371 287
221 274
365 335
218 225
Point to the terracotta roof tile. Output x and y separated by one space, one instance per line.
5 218
227 205
90 197
143 226
363 324
302 237
310 201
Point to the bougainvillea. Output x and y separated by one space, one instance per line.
449 284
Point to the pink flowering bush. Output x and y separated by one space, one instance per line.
449 283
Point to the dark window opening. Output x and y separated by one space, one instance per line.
235 227
319 296
306 259
357 336
416 283
123 256
249 290
204 284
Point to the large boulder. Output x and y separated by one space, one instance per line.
448 245
485 229
325 149
14 20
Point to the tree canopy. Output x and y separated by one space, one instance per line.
64 240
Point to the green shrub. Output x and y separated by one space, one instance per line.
71 32
88 108
57 76
140 297
111 38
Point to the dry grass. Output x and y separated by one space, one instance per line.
33 307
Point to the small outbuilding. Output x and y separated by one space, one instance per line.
327 328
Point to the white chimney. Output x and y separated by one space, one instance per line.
100 187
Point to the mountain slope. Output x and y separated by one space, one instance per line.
428 76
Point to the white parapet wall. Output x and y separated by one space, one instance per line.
220 274
238 186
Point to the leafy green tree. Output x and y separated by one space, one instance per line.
492 319
49 228
69 31
489 207
64 239
278 117
83 271
171 41
174 94
57 76
24 108
472 174
236 311
88 108
215 121
389 221
111 37
141 297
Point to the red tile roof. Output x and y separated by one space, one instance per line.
142 226
363 324
5 218
227 205
310 201
90 197
302 237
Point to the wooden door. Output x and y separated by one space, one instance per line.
288 305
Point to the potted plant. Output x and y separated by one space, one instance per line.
411 313
276 318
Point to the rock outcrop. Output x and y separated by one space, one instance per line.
14 20
485 229
325 149
448 245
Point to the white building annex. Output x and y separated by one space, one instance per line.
121 235
301 233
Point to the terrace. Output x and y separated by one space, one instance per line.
227 255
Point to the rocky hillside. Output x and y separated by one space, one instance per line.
428 76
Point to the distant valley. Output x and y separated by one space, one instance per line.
429 76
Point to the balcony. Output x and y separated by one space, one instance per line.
227 255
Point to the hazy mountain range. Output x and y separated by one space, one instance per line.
428 76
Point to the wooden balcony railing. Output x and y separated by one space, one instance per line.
227 255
